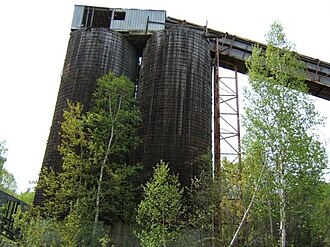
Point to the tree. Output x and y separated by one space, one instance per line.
255 187
111 126
320 224
95 178
203 201
161 209
74 184
281 119
7 180
95 146
26 196
73 230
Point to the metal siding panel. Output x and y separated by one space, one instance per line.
159 17
77 16
139 22
136 20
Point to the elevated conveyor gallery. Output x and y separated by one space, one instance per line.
236 50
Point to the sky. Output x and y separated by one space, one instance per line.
35 34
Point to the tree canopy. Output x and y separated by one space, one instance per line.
280 124
161 208
7 180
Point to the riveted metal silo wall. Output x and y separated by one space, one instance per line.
90 54
174 96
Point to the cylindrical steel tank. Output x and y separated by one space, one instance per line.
175 99
90 54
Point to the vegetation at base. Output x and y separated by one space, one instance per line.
72 230
95 184
95 148
160 213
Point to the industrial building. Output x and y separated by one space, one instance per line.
172 62
174 90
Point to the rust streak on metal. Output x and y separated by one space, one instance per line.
217 158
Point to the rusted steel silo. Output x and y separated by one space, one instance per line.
91 53
174 96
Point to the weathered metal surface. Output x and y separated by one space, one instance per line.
174 96
77 17
91 53
216 114
140 20
124 20
5 197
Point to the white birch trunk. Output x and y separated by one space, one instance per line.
282 209
246 213
98 193
99 184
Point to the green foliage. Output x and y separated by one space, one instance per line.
260 226
114 109
202 203
161 209
276 37
86 147
111 127
73 230
320 224
231 201
27 197
3 151
280 123
7 180
7 242
75 181
118 201
37 231
95 181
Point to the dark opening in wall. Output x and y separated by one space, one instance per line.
96 17
119 15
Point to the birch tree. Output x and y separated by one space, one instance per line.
110 126
95 147
281 117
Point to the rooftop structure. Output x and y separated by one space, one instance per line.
122 20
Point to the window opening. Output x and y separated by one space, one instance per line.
96 17
87 17
119 15
101 18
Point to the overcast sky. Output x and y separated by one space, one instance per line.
34 37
